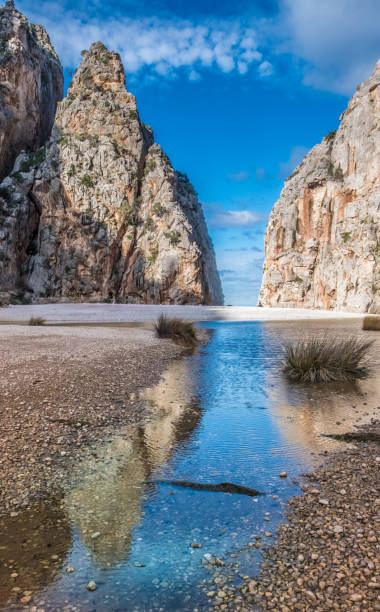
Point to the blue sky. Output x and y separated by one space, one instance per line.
236 94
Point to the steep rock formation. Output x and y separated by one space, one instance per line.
322 242
99 212
31 85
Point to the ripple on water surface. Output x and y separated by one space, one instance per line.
224 414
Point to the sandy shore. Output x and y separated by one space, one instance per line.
124 313
62 387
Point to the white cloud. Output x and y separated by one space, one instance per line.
164 46
337 39
266 69
219 217
260 173
334 42
296 156
238 177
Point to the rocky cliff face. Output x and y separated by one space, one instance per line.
322 241
31 85
98 212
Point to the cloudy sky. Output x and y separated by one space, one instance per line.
236 92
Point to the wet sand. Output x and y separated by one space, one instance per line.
62 388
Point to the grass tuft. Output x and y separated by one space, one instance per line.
371 323
178 330
321 360
36 321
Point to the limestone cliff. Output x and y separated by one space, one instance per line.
322 242
102 214
31 82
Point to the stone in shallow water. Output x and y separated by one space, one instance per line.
91 586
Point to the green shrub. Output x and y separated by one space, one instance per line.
316 360
180 331
18 177
36 321
153 254
133 114
87 181
19 298
149 166
5 194
173 237
159 210
149 224
346 236
331 136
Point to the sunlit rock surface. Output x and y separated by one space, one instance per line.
322 241
98 212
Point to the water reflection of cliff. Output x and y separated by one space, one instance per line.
33 546
114 482
304 412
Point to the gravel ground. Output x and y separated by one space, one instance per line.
63 388
326 557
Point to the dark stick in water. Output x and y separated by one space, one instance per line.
223 487
369 436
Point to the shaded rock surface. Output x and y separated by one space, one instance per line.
322 241
98 212
31 85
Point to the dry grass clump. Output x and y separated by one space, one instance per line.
314 360
371 323
36 321
178 330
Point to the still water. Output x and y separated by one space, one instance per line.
222 414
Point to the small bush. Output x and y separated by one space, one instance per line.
173 237
178 330
371 323
331 136
19 298
36 321
18 177
314 360
87 181
159 210
5 194
346 236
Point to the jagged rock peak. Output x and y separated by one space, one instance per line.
322 241
100 68
31 84
99 212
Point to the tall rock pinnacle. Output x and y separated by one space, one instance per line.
322 242
106 216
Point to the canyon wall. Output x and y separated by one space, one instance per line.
98 212
31 84
322 243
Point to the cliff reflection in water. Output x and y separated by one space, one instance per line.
107 503
304 412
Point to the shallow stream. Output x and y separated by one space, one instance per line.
223 414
